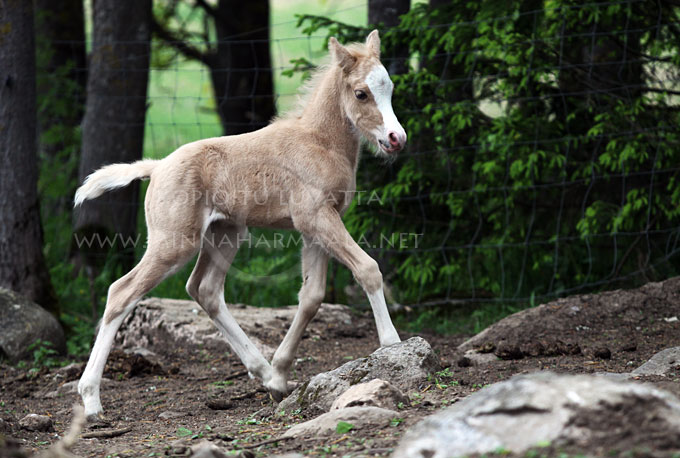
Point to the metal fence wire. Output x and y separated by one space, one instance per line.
543 157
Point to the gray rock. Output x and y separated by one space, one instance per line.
22 323
520 413
358 417
405 365
206 449
376 393
170 414
35 422
157 323
478 358
663 363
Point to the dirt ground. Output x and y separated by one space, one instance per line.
192 386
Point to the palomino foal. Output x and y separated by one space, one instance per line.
296 173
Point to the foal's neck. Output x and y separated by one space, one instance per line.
324 114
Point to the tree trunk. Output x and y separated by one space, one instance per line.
61 37
22 265
241 69
387 12
61 80
113 126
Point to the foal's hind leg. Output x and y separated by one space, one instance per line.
314 268
206 286
159 261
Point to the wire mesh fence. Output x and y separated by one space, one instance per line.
543 152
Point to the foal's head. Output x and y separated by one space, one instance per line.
366 93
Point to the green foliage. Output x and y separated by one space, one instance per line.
184 432
536 167
542 157
43 354
343 427
396 421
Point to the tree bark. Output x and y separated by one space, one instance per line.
22 265
240 69
387 12
61 35
61 81
113 126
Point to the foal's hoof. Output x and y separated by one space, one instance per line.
98 420
279 395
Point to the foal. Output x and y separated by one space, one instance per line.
298 173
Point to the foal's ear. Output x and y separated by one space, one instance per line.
341 55
373 43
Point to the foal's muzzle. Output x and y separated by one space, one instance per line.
395 142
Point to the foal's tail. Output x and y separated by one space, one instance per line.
111 177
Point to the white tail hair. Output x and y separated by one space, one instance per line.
111 177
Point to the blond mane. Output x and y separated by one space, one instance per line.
358 50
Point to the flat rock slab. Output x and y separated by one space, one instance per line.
23 322
405 365
583 411
157 323
665 362
358 417
596 325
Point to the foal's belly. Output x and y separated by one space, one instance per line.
283 222
267 215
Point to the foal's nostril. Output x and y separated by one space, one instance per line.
394 138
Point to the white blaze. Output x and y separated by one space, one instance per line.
378 81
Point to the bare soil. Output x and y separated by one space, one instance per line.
210 397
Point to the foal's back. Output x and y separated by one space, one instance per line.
251 179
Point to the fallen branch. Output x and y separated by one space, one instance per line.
106 433
236 375
268 441
249 394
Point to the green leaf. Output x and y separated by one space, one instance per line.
344 427
184 432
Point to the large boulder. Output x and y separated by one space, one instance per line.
158 323
405 365
23 322
545 409
596 325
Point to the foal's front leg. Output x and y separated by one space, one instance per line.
314 268
328 229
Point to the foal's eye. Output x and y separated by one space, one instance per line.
361 95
